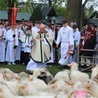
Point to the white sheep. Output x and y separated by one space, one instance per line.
94 74
5 92
13 86
61 75
27 90
61 94
93 88
76 75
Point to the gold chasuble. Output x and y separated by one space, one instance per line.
41 49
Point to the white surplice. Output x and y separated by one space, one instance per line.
20 33
51 55
11 52
2 44
76 36
65 36
35 30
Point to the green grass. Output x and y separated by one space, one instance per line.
20 68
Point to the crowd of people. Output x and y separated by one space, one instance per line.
28 43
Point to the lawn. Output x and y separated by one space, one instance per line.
53 68
19 68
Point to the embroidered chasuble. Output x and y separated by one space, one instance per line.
41 49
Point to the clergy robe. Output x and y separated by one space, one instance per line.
26 45
65 36
2 44
35 29
41 50
51 55
20 33
11 42
76 36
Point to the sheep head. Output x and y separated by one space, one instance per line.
74 66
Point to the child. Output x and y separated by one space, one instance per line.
26 45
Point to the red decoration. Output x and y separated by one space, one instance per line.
14 15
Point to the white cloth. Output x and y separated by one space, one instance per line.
18 49
33 65
27 45
35 30
65 36
2 45
76 36
11 52
51 55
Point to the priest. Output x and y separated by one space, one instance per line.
40 53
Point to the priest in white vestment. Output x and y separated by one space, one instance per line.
41 49
65 36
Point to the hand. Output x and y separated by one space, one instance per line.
82 37
57 46
14 35
15 46
42 39
32 39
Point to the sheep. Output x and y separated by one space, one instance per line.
46 76
43 74
61 75
35 87
61 94
79 90
96 79
27 90
5 92
61 85
80 93
13 86
23 77
94 74
93 88
76 75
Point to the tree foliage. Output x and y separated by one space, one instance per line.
37 14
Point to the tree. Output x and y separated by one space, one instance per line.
74 11
37 14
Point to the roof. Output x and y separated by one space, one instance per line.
94 21
20 15
95 14
48 11
59 19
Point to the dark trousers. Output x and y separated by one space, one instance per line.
26 58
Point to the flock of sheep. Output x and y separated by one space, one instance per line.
41 84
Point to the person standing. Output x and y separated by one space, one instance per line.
89 43
20 33
65 36
36 27
26 45
12 43
2 42
41 49
76 36
49 30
